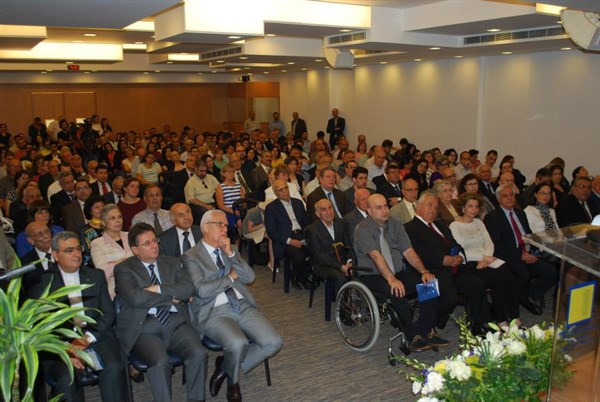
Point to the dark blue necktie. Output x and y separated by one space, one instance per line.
234 302
186 242
162 314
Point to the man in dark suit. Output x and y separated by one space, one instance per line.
182 235
98 336
320 236
260 174
285 220
507 225
101 186
114 196
357 214
154 319
335 127
224 309
72 214
438 250
181 178
298 126
18 210
327 189
484 172
389 185
63 198
575 208
40 237
594 199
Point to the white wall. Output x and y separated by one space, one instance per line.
533 106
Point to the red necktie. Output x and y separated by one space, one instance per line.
104 188
520 241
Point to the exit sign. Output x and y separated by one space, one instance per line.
73 67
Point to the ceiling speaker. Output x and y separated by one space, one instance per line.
583 28
339 58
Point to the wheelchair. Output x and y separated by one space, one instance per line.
359 313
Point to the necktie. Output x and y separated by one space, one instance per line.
332 199
49 258
587 214
186 242
162 314
438 234
71 196
104 188
396 189
157 226
518 235
234 302
385 251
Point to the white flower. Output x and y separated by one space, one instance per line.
427 399
466 353
537 332
515 347
568 358
459 370
434 383
416 387
492 337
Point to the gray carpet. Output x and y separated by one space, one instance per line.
314 364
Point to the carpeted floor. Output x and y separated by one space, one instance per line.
314 364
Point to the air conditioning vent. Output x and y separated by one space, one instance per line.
351 37
516 35
215 54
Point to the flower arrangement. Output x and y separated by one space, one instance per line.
508 364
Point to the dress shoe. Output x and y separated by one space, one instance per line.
435 340
419 344
218 377
234 394
532 308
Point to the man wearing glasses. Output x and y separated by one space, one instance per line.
576 208
98 336
153 319
224 309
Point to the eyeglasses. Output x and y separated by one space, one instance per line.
149 243
222 225
71 250
41 234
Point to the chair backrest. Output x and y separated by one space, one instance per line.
241 207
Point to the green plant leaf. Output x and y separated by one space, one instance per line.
31 361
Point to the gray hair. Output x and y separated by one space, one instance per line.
208 216
63 236
502 187
63 175
438 184
106 209
426 194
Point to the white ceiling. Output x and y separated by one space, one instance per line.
281 32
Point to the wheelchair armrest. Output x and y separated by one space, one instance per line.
353 271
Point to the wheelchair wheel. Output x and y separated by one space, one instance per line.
357 316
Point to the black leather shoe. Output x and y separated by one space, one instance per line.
218 377
533 308
234 394
435 340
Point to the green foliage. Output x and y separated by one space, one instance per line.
34 327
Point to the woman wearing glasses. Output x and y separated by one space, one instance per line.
112 247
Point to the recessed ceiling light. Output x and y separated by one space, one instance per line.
345 30
214 72
559 22
270 35
86 72
565 48
506 52
243 58
90 35
434 48
284 71
68 62
304 69
48 71
493 30
318 60
200 73
44 72
220 61
265 72
246 68
383 62
146 73
94 71
418 59
169 62
78 41
458 57
234 37
157 71
326 67
249 73
291 63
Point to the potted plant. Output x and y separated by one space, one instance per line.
508 364
35 326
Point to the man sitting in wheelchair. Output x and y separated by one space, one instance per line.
380 243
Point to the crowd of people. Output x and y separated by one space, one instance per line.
155 213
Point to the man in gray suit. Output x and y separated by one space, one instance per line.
153 319
405 210
224 309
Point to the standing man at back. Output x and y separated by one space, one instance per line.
335 127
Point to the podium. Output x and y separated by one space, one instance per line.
576 307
